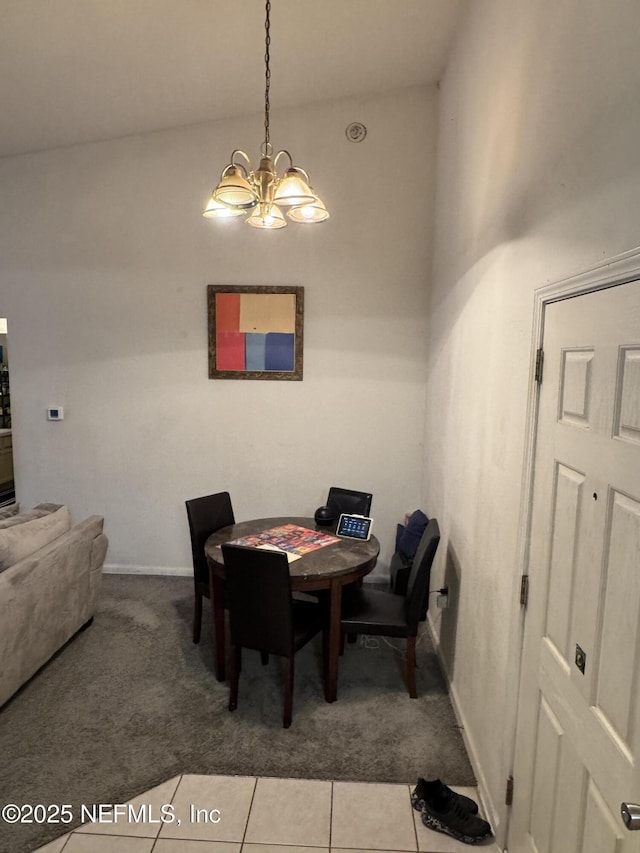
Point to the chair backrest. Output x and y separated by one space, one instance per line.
346 500
418 583
258 587
206 515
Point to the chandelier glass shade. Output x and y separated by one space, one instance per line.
261 192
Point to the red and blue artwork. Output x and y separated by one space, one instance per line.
255 331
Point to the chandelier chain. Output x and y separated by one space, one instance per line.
267 73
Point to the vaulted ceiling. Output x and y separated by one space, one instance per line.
74 71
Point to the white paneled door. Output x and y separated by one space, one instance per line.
578 740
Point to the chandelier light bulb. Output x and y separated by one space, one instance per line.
234 188
309 213
293 189
217 210
267 216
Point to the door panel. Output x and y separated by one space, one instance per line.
578 737
628 393
602 831
562 565
576 387
556 814
616 692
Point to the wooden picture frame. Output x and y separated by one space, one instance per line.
255 332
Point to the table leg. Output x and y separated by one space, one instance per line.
216 585
335 604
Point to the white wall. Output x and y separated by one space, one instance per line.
104 262
538 177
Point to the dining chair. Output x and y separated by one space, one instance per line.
206 515
264 616
388 615
358 503
347 500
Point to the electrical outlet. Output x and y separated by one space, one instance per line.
442 601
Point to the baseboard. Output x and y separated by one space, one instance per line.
489 808
379 582
171 571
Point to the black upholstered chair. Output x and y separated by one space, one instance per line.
347 500
388 615
206 515
356 503
263 615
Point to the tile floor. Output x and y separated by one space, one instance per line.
245 814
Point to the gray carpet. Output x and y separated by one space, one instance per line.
131 702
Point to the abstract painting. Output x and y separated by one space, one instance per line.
255 332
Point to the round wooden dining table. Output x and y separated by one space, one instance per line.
330 567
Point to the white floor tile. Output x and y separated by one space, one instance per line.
54 846
277 848
292 812
372 816
361 850
211 808
175 845
144 818
270 816
85 843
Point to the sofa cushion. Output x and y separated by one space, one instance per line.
26 538
47 507
8 511
38 511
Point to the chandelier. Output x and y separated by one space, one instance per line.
261 192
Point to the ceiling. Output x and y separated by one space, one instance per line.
74 71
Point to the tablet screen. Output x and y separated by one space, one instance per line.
354 526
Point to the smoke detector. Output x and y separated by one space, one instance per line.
356 131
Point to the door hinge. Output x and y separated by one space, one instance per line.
508 797
539 365
524 590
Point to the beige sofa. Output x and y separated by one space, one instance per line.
50 573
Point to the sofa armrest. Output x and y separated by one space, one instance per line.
45 598
99 547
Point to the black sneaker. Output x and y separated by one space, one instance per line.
438 794
453 820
